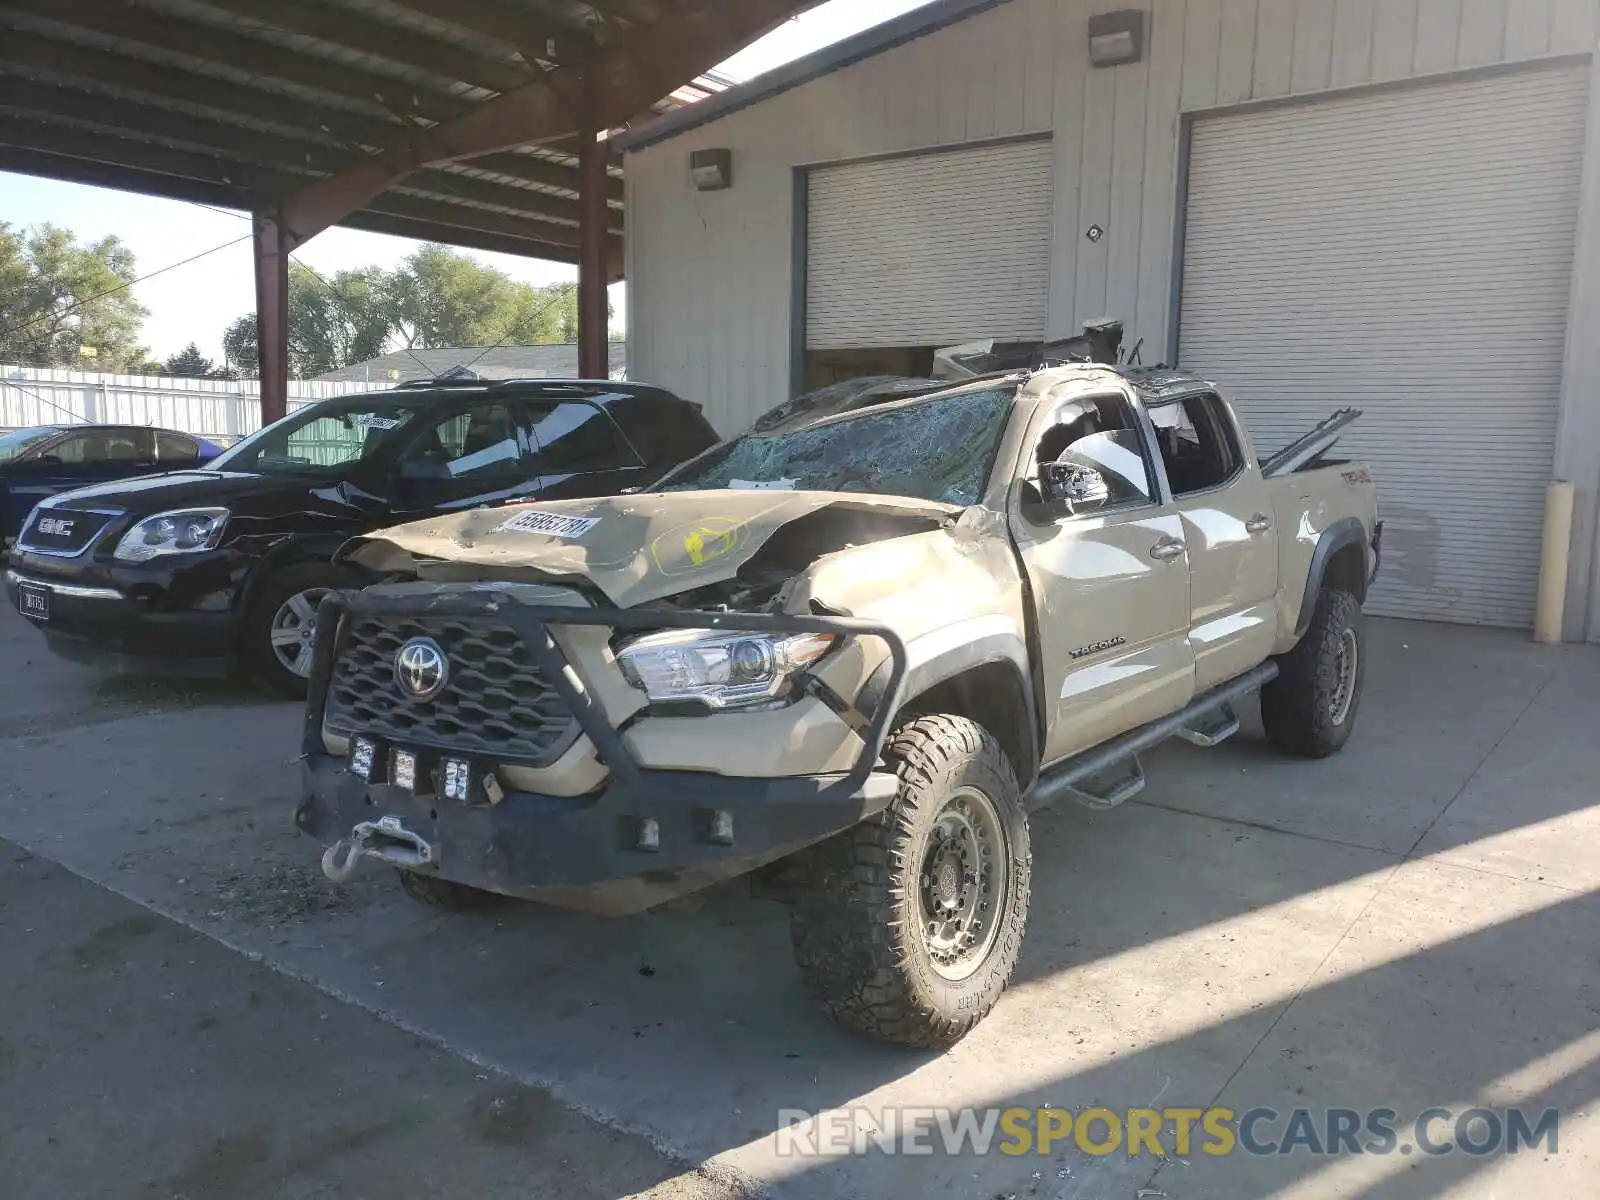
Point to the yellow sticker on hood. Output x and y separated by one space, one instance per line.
687 548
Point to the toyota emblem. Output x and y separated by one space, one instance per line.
420 669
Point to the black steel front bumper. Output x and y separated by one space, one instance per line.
647 835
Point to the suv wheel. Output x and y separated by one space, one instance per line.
280 626
447 893
1310 708
909 925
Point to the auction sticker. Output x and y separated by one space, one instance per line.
550 524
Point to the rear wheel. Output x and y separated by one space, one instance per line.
1310 709
910 923
447 894
280 626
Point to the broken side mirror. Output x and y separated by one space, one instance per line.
1073 486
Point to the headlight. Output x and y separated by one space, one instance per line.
176 532
723 670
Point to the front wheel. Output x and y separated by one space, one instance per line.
281 623
1309 710
909 925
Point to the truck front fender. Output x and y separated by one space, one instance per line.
986 653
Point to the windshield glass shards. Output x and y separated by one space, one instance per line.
940 448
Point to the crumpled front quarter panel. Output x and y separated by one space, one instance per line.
919 585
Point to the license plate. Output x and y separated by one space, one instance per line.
33 601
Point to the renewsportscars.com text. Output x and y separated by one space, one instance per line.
1164 1132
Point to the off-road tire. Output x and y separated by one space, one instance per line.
447 893
1297 706
858 936
255 636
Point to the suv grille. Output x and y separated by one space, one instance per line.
62 530
497 701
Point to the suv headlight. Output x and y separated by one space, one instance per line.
722 670
176 532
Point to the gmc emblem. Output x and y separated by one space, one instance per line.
55 526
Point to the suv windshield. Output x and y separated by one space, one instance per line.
939 448
14 443
320 439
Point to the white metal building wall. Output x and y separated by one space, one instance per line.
929 249
710 278
1408 252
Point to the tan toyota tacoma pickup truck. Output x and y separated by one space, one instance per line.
856 645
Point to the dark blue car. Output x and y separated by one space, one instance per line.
46 459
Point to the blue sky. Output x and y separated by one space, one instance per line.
196 302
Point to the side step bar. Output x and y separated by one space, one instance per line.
1109 774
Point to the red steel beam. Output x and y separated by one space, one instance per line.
272 316
593 309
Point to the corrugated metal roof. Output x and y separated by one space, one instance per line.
242 103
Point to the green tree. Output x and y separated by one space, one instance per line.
332 323
58 295
189 361
442 298
436 297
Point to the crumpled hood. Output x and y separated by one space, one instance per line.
633 548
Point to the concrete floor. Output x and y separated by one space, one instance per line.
1410 924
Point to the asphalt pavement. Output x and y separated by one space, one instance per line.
190 1009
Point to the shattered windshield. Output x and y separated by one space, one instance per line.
941 448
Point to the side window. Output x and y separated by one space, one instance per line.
70 451
176 448
479 443
100 446
1101 434
574 437
1198 444
664 429
127 446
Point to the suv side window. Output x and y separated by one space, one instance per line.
100 445
1198 444
574 437
1101 432
176 448
478 443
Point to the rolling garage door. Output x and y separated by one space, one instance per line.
929 250
1408 253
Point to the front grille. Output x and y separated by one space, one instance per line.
497 702
62 530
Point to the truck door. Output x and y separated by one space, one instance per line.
1227 524
1109 575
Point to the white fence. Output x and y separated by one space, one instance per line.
221 409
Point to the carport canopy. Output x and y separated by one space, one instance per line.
480 123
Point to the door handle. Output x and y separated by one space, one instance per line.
1258 524
1167 549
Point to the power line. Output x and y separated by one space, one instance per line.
5 333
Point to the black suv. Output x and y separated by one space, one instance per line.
189 572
